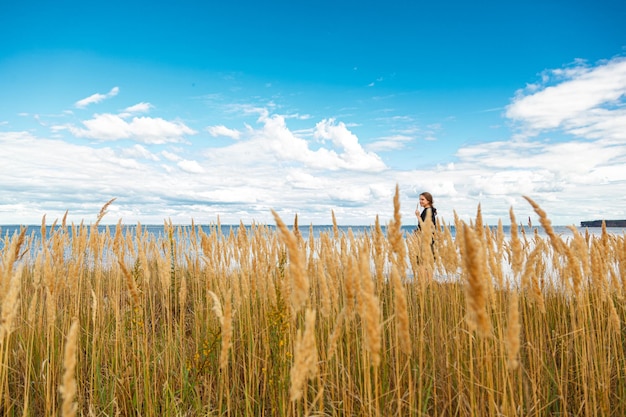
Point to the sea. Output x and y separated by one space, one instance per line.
33 232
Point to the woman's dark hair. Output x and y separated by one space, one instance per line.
428 196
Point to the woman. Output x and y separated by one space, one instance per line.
426 202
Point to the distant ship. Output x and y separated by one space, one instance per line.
598 223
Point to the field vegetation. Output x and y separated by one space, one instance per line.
264 322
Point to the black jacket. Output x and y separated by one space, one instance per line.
433 214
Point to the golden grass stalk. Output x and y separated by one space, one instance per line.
556 241
299 279
296 229
305 357
103 211
336 334
513 333
217 307
369 310
478 226
394 235
130 283
225 317
68 388
10 305
227 332
12 253
559 246
476 281
516 246
402 313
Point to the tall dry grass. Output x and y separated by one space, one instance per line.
261 322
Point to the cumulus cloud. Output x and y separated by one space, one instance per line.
171 156
222 130
584 101
111 127
192 167
96 98
139 151
352 155
274 142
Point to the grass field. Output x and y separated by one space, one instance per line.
266 323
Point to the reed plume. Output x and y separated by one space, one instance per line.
217 307
369 310
336 334
516 246
10 305
513 333
402 313
305 357
68 388
559 246
103 212
475 288
394 234
227 332
299 279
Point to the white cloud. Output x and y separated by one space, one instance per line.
192 167
222 130
171 156
110 127
275 143
586 101
139 151
389 143
96 98
353 155
137 108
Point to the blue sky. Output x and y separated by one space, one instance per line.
205 110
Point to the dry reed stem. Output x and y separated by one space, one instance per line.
529 278
227 332
513 333
349 282
556 241
476 292
516 247
12 253
394 235
369 310
10 305
103 212
299 279
559 246
217 307
336 334
130 283
68 388
581 250
305 357
322 279
379 256
296 230
402 312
